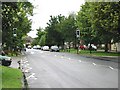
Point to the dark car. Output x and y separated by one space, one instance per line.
5 60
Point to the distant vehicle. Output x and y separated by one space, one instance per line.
34 47
45 48
83 47
54 48
29 47
93 47
38 47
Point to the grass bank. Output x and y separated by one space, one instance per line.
96 53
11 78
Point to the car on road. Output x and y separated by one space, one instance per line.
38 47
83 47
5 60
29 47
54 48
93 47
34 47
45 48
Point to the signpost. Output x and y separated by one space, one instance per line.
78 39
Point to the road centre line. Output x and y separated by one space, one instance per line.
111 67
93 63
80 61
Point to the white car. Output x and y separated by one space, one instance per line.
54 48
45 48
34 47
38 47
93 47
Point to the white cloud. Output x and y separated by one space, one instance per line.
45 8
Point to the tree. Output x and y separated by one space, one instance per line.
84 23
106 21
15 15
99 21
54 36
68 29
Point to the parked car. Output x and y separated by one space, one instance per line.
5 60
38 47
34 47
93 47
29 47
54 48
45 48
83 47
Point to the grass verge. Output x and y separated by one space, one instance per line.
11 78
94 53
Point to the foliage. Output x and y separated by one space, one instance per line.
15 15
60 29
100 22
54 35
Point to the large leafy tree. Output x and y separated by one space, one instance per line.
84 23
68 29
54 36
106 21
99 21
15 15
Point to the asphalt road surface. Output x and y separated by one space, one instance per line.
45 69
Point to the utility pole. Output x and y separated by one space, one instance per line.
78 39
14 36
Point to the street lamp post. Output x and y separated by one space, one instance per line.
14 35
78 39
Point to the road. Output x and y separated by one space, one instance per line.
44 69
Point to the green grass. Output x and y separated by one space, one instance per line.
11 78
96 53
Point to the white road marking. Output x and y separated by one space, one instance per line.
111 67
55 55
80 61
69 58
93 63
25 62
32 52
31 76
61 57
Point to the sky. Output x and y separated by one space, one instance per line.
45 8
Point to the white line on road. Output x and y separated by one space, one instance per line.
111 67
93 63
32 52
80 61
61 57
25 62
31 76
69 58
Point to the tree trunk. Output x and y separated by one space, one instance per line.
106 47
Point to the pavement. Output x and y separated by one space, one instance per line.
15 60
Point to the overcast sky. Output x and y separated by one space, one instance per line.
45 8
